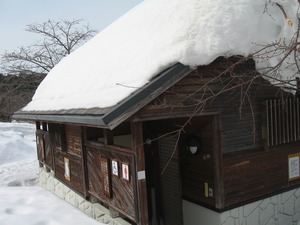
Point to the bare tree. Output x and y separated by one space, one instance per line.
59 39
231 79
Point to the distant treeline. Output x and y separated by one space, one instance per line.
16 92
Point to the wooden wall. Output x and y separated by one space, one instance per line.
195 170
45 153
122 194
72 152
239 169
234 93
215 89
58 142
253 174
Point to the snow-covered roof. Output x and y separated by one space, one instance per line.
155 35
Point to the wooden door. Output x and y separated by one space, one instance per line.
170 181
163 182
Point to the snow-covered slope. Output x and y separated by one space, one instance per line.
155 35
17 144
36 206
21 201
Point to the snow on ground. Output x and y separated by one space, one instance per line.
19 173
12 137
22 201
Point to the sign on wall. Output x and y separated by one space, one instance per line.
294 166
105 176
115 167
125 171
67 169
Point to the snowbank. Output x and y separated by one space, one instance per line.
21 202
19 173
35 206
155 35
17 142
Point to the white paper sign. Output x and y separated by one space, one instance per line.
294 167
125 171
115 168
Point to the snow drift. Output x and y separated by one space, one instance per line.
17 144
21 201
154 36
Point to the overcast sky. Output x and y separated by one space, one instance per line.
16 14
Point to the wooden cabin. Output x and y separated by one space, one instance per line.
213 138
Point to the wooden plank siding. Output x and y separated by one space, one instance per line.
205 91
256 173
73 153
216 90
122 191
45 153
196 170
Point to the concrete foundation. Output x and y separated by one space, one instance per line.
281 209
94 210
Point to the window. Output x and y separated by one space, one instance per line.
58 137
120 136
94 134
282 121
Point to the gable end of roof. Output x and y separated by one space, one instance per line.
112 117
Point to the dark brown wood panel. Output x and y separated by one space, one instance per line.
141 185
73 153
73 137
40 146
122 191
196 170
256 173
216 89
76 173
45 153
48 151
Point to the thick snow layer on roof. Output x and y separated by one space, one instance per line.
154 36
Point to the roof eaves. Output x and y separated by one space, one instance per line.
143 96
112 117
93 120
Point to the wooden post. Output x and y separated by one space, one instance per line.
37 125
84 163
218 164
138 148
108 137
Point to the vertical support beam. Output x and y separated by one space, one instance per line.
138 149
52 146
294 118
84 163
298 117
271 137
45 126
218 164
108 137
37 125
265 124
275 122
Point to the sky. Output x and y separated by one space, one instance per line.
16 14
157 35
